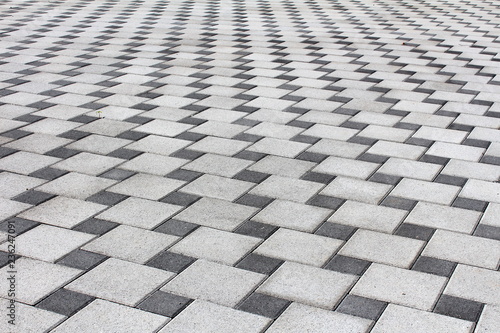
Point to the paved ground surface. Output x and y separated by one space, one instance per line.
250 166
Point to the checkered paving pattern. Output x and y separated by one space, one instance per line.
251 166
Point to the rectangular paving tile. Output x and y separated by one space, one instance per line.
400 286
308 285
214 282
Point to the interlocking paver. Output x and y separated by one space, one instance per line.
347 155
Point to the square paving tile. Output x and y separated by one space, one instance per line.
308 285
214 282
287 188
400 286
116 280
397 317
218 165
139 213
465 249
205 316
48 243
361 215
215 245
25 162
299 247
88 163
30 319
217 187
12 184
39 279
356 189
153 164
131 244
62 212
292 215
146 186
98 144
303 318
216 213
112 317
76 185
383 248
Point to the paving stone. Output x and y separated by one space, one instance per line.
443 217
146 186
382 248
303 318
434 266
281 166
285 188
12 184
356 189
481 190
215 245
292 215
426 191
218 165
65 302
338 148
164 304
82 259
62 212
26 163
39 279
465 249
489 319
308 285
299 247
377 218
202 315
217 187
87 163
362 307
139 213
153 164
171 262
30 318
104 315
459 308
400 286
346 167
48 243
130 244
76 185
278 147
216 213
115 280
214 282
406 319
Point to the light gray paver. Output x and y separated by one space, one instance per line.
216 213
356 189
216 245
398 318
29 319
299 247
116 280
292 215
131 244
307 285
478 284
101 315
202 316
383 248
366 216
39 278
426 191
400 286
214 282
457 247
299 318
443 217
